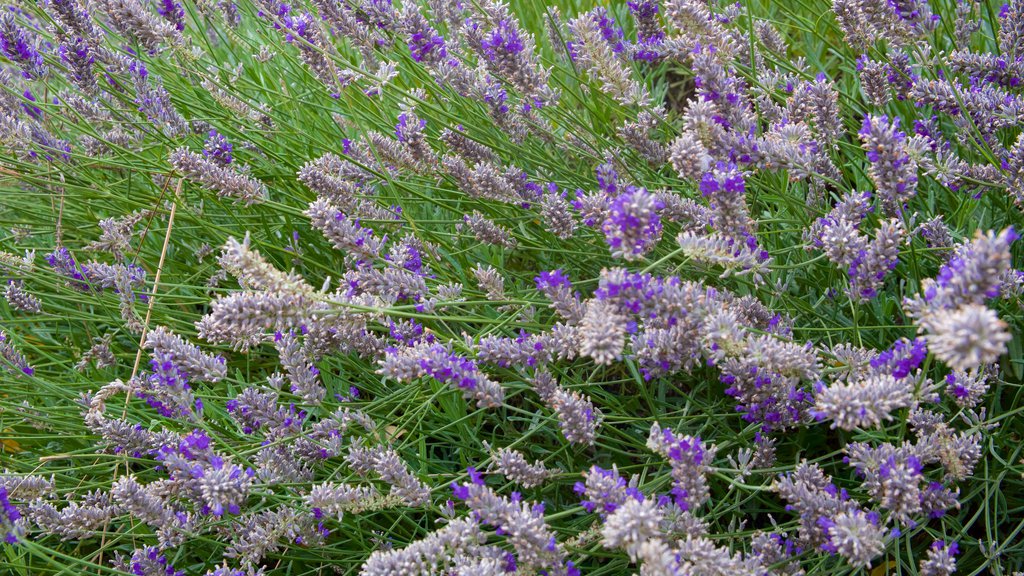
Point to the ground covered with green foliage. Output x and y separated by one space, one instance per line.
463 287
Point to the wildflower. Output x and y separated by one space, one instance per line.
633 226
508 52
558 288
213 175
14 362
193 362
690 461
19 299
385 462
487 231
893 170
969 277
892 475
491 281
967 337
440 363
18 47
577 416
521 522
724 186
146 561
631 525
336 499
967 388
302 373
513 465
132 19
941 559
217 148
602 333
345 233
10 518
599 60
857 537
439 549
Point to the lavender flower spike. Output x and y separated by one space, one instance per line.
223 180
196 364
893 170
633 226
440 363
862 403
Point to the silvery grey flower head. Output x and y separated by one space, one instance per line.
440 363
385 461
521 522
303 375
935 233
893 170
243 319
490 281
967 388
557 287
631 525
595 56
487 231
337 179
941 559
254 272
19 299
132 19
735 258
21 47
507 51
972 275
640 136
577 416
76 521
690 460
12 360
813 495
892 476
345 233
118 233
514 466
145 503
633 226
856 538
466 147
862 402
224 180
874 82
966 338
700 555
602 332
430 555
192 361
336 499
255 535
148 561
529 350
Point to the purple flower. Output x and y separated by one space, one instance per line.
892 170
426 45
18 46
9 516
173 12
633 226
217 148
503 39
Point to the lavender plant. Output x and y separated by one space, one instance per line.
423 287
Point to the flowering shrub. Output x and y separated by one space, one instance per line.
661 286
